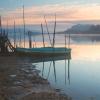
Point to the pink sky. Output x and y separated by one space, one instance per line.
34 15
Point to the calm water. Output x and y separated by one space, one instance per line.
79 77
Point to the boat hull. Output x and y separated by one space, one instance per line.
43 51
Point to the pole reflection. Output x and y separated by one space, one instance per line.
50 68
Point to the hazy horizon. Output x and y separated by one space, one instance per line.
68 12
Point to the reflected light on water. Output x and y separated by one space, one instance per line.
79 77
89 52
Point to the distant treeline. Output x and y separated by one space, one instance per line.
75 29
84 29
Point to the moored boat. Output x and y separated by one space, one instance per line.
43 51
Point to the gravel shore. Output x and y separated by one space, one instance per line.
19 80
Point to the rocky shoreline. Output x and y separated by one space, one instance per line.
19 80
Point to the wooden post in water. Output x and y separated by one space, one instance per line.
69 41
24 25
42 35
54 33
0 25
34 42
14 36
65 57
0 21
3 39
48 31
20 37
30 40
0 33
65 40
7 29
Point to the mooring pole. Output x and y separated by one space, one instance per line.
20 37
65 40
69 41
0 25
7 29
24 25
48 31
35 45
30 40
42 35
14 36
54 32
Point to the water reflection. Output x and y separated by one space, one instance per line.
78 77
68 70
49 66
43 69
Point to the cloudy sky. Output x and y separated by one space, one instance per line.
67 11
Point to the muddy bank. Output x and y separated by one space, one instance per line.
19 80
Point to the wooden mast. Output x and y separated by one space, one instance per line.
42 35
24 25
